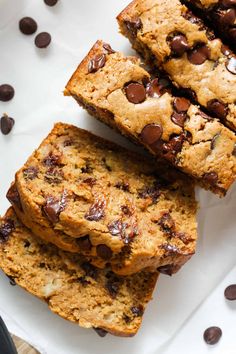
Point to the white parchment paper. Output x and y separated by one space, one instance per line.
39 77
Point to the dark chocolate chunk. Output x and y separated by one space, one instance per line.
51 2
169 248
179 119
6 229
151 133
231 65
230 292
218 108
54 175
173 146
199 54
90 181
53 207
108 48
96 63
124 186
83 281
137 310
152 192
42 40
168 269
179 44
227 18
204 115
90 270
101 332
214 141
167 223
28 25
113 285
84 243
6 92
6 124
212 335
126 210
30 172
96 211
135 92
181 104
14 197
52 160
211 178
117 228
104 252
157 88
133 25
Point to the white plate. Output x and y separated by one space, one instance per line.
39 77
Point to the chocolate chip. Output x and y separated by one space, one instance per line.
179 119
6 124
151 133
135 92
231 65
104 251
232 33
42 40
53 207
6 92
113 285
101 332
179 44
168 269
124 186
83 281
218 108
204 115
137 311
52 160
152 192
230 292
84 243
214 141
228 3
11 280
167 223
211 178
125 209
96 211
170 249
108 48
89 270
173 146
133 25
30 173
117 228
96 63
227 18
157 88
90 181
28 25
199 54
54 175
14 197
181 104
6 229
212 335
51 2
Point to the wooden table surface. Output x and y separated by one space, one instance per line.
23 347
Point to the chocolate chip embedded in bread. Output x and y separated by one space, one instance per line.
168 269
30 172
51 160
179 44
6 124
218 108
108 48
135 92
152 192
212 335
151 133
6 229
101 332
53 207
14 197
137 310
199 54
179 119
214 141
96 63
42 40
113 285
84 243
90 270
104 252
133 25
231 65
181 104
157 88
227 18
6 92
28 25
211 178
96 211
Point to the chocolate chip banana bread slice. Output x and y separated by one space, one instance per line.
123 95
87 195
167 33
72 287
221 15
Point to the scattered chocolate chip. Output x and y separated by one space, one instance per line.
231 65
83 281
124 186
26 243
212 335
28 25
170 248
173 146
211 178
117 228
126 210
52 160
108 48
181 104
179 119
96 211
14 197
42 40
133 25
11 280
54 175
101 332
167 223
188 15
53 207
126 318
179 44
104 251
227 18
135 92
137 310
151 133
96 63
6 229
87 168
6 124
68 142
152 192
51 2
113 285
84 243
90 181
157 88
218 108
168 269
214 141
230 292
6 92
199 54
90 270
106 164
30 173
